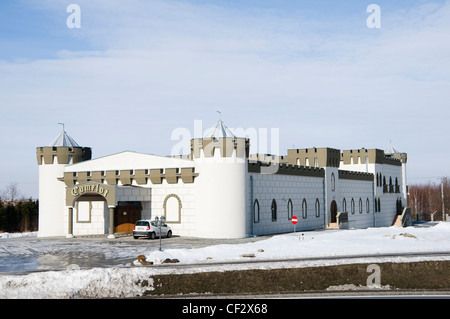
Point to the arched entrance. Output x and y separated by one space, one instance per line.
90 214
102 195
333 212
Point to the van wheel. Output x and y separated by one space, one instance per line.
169 234
152 235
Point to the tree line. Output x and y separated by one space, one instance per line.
17 214
425 200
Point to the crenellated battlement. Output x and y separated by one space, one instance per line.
360 176
130 176
227 146
318 157
362 156
286 169
62 154
371 156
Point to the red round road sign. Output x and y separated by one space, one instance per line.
294 220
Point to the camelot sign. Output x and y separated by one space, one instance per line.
107 191
89 188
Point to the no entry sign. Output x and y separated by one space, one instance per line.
294 220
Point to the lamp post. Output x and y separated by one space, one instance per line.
442 195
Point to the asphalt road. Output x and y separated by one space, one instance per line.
370 294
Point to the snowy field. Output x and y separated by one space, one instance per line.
123 281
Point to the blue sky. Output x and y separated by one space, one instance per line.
136 71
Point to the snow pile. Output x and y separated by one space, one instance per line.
92 283
134 281
18 235
352 287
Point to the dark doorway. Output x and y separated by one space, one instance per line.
126 215
399 207
333 212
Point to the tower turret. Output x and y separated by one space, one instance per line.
219 140
52 160
221 161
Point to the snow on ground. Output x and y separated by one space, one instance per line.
18 235
321 244
125 282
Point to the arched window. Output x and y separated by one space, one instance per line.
344 205
333 182
304 209
256 211
379 204
172 208
290 209
353 206
274 210
367 206
317 206
360 206
376 205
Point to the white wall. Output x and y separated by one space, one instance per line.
356 190
96 225
388 200
221 196
51 200
186 193
267 187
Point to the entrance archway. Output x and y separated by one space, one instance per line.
89 215
106 193
333 212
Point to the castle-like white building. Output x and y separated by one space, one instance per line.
219 190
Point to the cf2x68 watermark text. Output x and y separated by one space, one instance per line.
231 308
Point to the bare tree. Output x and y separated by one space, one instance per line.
11 192
426 200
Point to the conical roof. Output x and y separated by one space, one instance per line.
391 150
219 130
63 139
